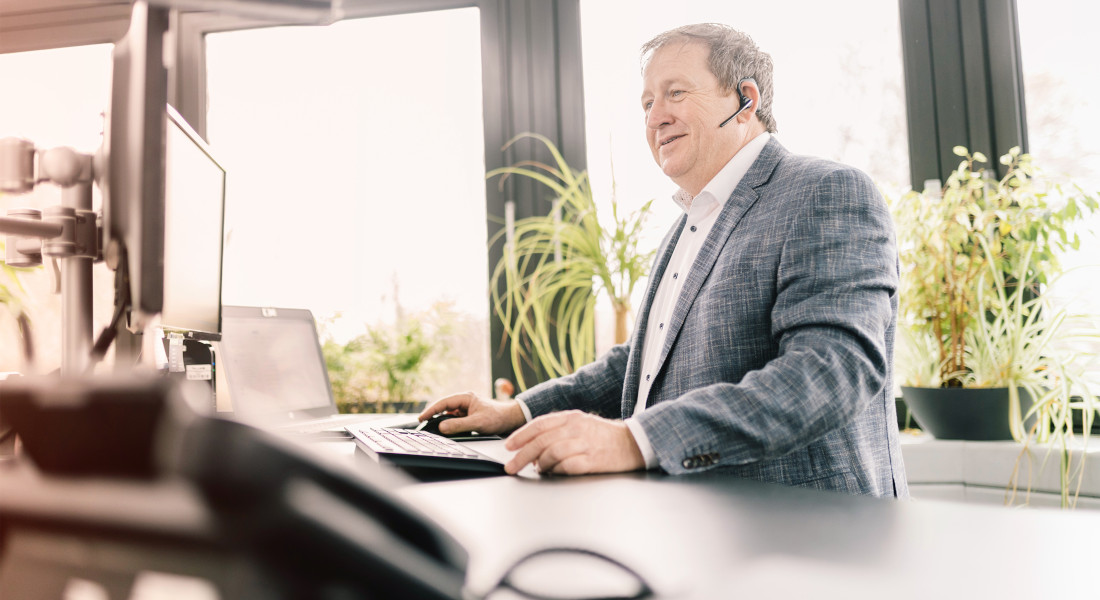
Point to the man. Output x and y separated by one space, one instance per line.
764 345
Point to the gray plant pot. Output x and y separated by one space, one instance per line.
965 413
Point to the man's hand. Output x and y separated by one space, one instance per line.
573 442
476 414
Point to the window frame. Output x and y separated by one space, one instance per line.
47 26
963 82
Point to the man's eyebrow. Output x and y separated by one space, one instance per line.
665 85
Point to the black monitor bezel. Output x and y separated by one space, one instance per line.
133 205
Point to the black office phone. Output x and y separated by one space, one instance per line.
122 467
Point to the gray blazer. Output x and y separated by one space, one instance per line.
778 361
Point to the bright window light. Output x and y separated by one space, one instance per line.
356 171
1063 124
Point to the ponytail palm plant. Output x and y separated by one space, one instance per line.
1029 343
554 267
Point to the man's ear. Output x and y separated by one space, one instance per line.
748 92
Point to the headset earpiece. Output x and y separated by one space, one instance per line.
745 101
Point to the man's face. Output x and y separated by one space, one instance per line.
683 105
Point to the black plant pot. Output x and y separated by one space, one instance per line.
965 413
1078 422
904 415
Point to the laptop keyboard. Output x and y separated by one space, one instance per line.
409 447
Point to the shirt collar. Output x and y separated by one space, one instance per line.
722 185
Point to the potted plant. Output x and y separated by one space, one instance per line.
976 317
385 369
1031 347
11 302
10 299
544 287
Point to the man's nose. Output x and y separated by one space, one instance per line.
657 115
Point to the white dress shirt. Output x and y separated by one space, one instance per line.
702 212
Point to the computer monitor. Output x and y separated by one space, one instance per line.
163 193
194 209
133 182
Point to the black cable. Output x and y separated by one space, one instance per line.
107 336
26 336
644 591
122 302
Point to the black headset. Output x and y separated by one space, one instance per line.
746 102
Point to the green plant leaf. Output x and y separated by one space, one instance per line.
544 287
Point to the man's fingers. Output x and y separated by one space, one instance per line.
461 424
559 452
523 436
525 456
572 444
530 451
460 402
578 464
555 442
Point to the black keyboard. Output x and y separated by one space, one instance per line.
412 448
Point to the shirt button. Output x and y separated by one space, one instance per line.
647 377
675 275
693 229
661 326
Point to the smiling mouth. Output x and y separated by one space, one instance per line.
671 139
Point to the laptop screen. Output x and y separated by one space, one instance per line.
273 364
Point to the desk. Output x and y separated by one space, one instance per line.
692 537
700 537
713 537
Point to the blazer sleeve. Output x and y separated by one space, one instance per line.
596 388
836 286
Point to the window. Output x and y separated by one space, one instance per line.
52 98
1063 117
838 89
356 182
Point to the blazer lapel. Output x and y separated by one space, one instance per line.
739 202
634 364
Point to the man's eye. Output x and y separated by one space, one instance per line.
647 105
676 93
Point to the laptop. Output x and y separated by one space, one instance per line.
275 375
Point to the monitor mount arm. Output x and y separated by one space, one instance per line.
69 233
